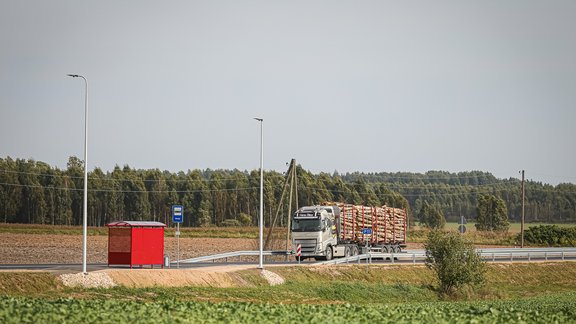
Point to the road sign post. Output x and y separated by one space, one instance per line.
299 252
366 231
461 227
177 217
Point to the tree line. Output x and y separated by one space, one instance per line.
457 194
34 192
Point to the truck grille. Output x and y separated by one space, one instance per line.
308 245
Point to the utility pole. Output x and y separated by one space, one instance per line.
522 222
292 177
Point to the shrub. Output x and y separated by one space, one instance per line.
550 235
245 219
230 223
454 261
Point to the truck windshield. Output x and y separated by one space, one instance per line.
306 225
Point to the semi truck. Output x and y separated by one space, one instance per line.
332 230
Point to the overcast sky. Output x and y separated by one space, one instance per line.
372 86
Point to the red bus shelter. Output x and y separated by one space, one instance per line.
136 243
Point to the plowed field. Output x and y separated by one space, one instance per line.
56 248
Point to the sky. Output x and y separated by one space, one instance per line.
369 86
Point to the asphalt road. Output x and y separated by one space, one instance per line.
408 257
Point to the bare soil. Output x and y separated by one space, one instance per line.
65 248
53 248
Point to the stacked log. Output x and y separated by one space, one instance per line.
388 224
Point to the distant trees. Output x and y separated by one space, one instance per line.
34 192
491 214
430 216
457 193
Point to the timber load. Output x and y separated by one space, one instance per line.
388 224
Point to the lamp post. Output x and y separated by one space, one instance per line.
85 216
261 263
522 222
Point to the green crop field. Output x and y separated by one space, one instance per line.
549 309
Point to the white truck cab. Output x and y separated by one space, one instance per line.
314 229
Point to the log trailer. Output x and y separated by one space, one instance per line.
341 230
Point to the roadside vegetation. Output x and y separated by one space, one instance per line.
356 293
355 284
416 234
454 261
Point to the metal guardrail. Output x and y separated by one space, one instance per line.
516 254
237 254
496 254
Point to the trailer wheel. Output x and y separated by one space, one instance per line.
329 253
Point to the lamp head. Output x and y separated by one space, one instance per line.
73 75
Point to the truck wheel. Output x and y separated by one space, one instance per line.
347 252
329 253
354 250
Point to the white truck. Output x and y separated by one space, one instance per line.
334 230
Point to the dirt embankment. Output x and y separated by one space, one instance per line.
222 277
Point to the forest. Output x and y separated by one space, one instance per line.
33 192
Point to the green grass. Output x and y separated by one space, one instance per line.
29 283
418 234
355 284
530 292
49 229
415 235
206 232
557 308
514 227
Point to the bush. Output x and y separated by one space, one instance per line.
550 235
230 223
454 261
245 219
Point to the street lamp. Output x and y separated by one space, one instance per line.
261 264
85 217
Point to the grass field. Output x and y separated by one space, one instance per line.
532 293
514 227
415 234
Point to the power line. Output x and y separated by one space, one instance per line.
128 191
140 177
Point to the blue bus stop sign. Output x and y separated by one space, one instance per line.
177 213
366 231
